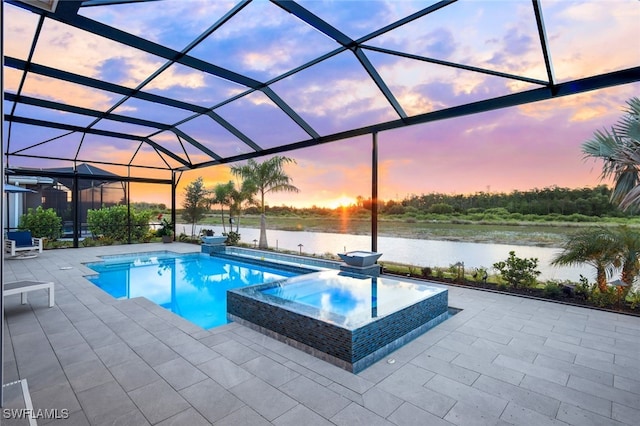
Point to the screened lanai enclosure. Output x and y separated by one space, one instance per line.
71 192
54 188
146 90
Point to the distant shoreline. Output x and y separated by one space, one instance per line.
552 235
485 238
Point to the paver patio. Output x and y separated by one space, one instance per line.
502 360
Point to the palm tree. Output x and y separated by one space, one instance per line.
592 246
237 198
620 151
222 195
262 178
627 245
226 194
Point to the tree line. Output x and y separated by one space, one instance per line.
552 200
547 201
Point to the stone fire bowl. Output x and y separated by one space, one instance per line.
360 259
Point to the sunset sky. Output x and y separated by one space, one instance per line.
531 146
517 148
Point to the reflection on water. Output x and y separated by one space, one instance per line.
417 252
193 286
351 300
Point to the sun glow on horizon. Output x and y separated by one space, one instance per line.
342 201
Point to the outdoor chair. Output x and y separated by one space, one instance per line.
23 287
18 241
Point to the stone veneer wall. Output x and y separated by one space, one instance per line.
375 335
346 346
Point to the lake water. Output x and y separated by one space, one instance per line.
413 251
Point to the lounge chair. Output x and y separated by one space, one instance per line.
23 287
21 241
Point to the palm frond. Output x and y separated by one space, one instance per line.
630 123
631 200
603 145
619 149
587 246
626 181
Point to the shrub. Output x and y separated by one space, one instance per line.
583 288
481 275
497 211
634 298
89 242
51 244
552 290
166 227
411 269
427 272
441 208
576 217
396 209
518 272
105 240
42 223
148 236
603 299
111 223
184 238
476 216
233 238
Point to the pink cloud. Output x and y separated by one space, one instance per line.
498 151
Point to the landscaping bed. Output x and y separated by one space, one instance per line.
566 295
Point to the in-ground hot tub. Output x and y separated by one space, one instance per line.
349 320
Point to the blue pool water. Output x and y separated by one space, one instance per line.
350 300
192 285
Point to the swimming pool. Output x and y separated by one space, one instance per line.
193 286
